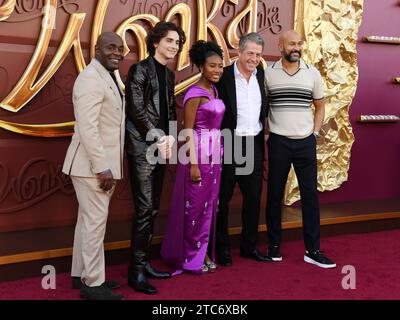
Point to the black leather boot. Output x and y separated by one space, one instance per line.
148 269
138 281
140 245
154 274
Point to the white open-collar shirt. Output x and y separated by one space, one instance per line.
248 99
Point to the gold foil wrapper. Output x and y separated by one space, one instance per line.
330 29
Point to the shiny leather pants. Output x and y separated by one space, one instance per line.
146 184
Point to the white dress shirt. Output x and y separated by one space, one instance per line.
248 99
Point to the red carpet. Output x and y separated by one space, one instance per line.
375 256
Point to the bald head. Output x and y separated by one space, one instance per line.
291 45
289 35
109 50
107 37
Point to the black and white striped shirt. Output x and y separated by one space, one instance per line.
291 97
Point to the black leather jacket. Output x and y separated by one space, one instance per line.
143 99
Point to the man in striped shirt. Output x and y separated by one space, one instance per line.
293 86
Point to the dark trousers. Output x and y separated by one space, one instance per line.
251 188
146 183
282 152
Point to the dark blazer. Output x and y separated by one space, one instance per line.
227 93
143 99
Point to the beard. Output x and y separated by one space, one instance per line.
290 58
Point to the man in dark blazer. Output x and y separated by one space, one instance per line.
242 89
150 107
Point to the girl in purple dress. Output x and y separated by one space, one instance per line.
192 215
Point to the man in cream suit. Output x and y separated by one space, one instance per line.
94 163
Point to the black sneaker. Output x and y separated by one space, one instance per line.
101 292
77 283
274 253
317 257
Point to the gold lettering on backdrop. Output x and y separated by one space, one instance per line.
99 16
7 9
182 9
27 88
185 14
139 32
22 91
231 32
204 24
38 130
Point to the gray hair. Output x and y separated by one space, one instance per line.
252 36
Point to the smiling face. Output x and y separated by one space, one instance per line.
213 68
250 57
291 46
167 48
109 51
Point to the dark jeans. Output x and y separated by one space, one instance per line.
251 188
282 152
146 183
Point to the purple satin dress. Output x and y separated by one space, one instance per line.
193 210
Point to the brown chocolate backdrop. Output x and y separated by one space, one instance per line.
36 122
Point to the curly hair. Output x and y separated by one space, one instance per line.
201 50
159 31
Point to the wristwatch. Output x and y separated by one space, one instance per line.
316 134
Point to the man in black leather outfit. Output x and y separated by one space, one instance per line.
150 107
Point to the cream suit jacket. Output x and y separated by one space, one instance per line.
98 141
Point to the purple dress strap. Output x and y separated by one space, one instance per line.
196 92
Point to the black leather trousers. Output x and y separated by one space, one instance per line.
146 184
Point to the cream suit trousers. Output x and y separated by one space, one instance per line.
88 252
